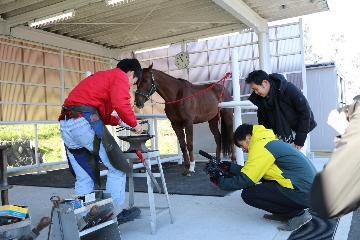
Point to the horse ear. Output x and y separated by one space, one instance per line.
151 65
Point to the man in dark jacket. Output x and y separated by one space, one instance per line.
276 177
281 107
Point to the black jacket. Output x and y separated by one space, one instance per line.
294 107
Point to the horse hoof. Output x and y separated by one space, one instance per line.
186 174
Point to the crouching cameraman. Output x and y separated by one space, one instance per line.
285 174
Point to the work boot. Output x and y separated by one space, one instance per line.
275 217
128 215
296 222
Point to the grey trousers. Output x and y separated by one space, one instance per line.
336 189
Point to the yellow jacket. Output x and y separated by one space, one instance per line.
261 162
270 159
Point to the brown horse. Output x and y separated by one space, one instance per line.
183 114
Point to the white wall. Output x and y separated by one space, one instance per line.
323 96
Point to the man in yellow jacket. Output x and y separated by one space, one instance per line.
284 175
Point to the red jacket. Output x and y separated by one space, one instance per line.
106 91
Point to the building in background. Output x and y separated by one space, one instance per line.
325 92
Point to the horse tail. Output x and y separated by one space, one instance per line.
226 143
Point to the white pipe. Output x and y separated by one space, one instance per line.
31 103
144 116
29 167
29 122
152 162
30 84
38 66
244 104
236 97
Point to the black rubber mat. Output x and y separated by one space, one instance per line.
317 229
197 184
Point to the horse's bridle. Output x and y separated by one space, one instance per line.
150 91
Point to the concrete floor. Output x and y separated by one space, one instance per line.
196 217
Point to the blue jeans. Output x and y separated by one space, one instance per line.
77 133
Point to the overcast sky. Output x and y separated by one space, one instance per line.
342 19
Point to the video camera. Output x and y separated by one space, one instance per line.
214 167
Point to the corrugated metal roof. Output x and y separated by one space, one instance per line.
281 9
141 21
322 64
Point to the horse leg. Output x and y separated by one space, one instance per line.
213 125
189 129
231 139
179 131
228 120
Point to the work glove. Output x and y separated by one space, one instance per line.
138 129
215 180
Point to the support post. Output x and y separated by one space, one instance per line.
236 97
156 134
306 149
264 51
152 132
62 76
37 160
185 70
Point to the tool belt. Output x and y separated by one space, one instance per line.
67 114
112 149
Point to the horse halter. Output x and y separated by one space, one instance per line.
151 90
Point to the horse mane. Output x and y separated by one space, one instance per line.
183 80
174 78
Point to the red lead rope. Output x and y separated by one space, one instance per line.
140 156
222 80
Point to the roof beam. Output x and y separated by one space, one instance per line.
196 34
123 13
59 41
244 13
46 11
4 28
11 6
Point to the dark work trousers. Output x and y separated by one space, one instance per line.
268 197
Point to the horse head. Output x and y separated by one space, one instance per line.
145 87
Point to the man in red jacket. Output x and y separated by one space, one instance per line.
85 113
